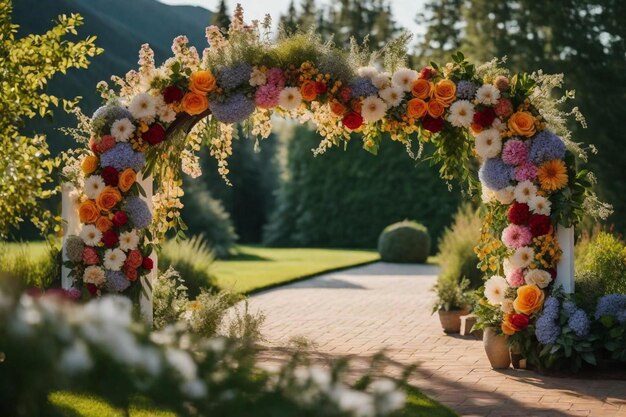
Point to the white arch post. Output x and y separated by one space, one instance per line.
565 267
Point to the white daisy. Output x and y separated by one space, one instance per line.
488 195
290 98
507 306
404 78
488 143
498 125
392 95
461 113
525 191
94 185
122 129
166 114
129 240
488 94
143 107
257 77
506 195
94 275
540 205
367 72
507 267
381 80
522 257
373 109
90 235
538 277
495 289
114 259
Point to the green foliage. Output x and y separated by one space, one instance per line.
192 259
612 337
205 314
169 298
602 258
406 242
36 271
457 257
451 295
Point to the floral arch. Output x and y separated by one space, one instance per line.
157 117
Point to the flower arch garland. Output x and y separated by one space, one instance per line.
160 116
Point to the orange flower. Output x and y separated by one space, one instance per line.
108 198
522 123
529 299
337 108
133 259
356 105
416 108
194 103
308 89
552 175
104 223
445 92
202 82
89 164
476 128
421 88
127 179
88 212
513 323
436 108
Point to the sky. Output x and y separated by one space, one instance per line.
404 10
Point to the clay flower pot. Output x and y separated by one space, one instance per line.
451 320
497 349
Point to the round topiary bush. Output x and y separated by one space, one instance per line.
406 242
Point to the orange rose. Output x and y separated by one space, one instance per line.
529 299
436 108
108 198
127 179
421 88
522 123
337 108
476 128
89 164
308 89
103 223
416 108
202 82
194 103
445 91
88 212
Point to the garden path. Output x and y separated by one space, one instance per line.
362 310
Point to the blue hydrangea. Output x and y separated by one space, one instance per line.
621 316
122 156
466 90
495 174
362 87
546 328
138 212
116 281
546 146
232 77
570 307
579 323
551 308
234 109
611 305
104 117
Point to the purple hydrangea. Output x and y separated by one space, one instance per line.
362 87
546 146
122 156
234 109
104 117
611 305
466 90
515 152
621 316
138 212
116 281
232 77
579 322
546 328
495 174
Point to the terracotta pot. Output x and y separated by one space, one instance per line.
496 348
451 320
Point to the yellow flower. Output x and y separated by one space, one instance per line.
89 164
552 175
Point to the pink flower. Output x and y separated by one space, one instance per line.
515 236
106 142
515 152
266 96
276 77
526 172
503 108
516 278
90 256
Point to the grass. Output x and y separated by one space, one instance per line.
255 268
34 249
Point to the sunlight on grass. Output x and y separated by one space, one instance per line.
419 405
73 405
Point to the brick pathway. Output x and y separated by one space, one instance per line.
362 310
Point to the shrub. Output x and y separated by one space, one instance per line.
192 259
603 256
456 248
405 241
451 295
169 299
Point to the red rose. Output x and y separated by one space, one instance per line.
172 94
321 87
539 225
120 218
426 73
552 272
109 238
520 321
431 124
93 290
147 263
518 213
110 176
485 117
345 93
155 134
352 120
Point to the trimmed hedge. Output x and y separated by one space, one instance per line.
404 242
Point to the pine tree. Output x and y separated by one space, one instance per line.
221 18
288 21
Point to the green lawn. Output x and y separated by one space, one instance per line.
34 249
255 267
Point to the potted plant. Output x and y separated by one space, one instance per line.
489 319
452 303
